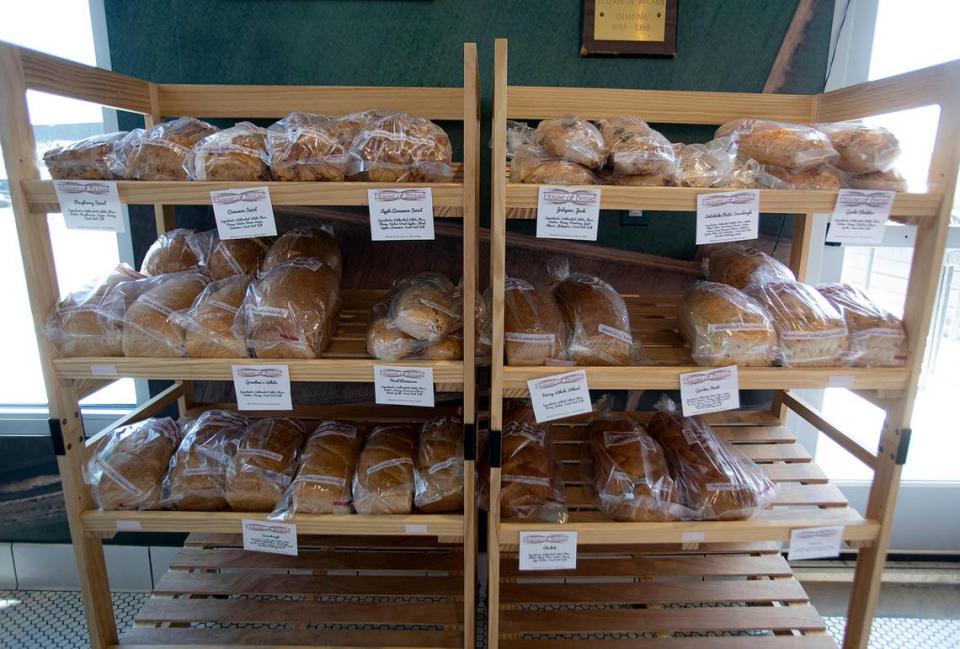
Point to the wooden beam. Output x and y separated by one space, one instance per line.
791 43
818 421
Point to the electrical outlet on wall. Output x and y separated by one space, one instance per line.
634 217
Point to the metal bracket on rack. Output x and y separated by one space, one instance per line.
56 436
903 447
496 441
469 442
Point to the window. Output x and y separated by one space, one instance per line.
67 32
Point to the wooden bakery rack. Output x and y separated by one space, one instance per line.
662 585
427 596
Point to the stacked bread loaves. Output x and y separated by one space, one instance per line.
531 485
877 337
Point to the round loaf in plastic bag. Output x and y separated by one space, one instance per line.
306 147
636 149
862 148
126 472
740 266
175 251
795 146
573 139
228 257
426 307
534 329
316 241
400 147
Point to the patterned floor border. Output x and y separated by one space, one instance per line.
31 619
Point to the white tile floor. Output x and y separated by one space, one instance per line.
54 620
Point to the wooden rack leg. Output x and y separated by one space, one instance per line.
33 234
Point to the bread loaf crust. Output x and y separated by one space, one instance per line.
573 139
383 483
127 472
86 159
740 266
211 327
316 242
173 252
877 337
196 479
534 329
324 481
152 325
438 466
596 319
263 464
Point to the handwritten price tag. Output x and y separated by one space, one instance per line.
713 390
860 216
568 213
401 214
90 205
262 387
560 395
403 386
728 216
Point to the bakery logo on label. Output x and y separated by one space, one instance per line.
553 382
546 538
557 196
396 373
696 378
719 200
229 198
390 195
85 188
267 373
852 198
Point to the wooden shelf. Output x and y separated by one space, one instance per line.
439 525
664 597
922 207
377 592
805 498
653 319
346 360
449 196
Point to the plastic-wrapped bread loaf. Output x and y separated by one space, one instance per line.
862 148
427 307
534 330
824 177
264 464
531 485
323 483
438 466
228 257
795 146
89 321
532 164
127 471
346 128
86 159
292 310
235 153
196 479
383 482
877 337
399 147
740 266
627 471
725 326
596 318
211 326
810 331
172 252
890 181
706 165
716 480
573 139
152 325
638 150
305 147
158 153
317 242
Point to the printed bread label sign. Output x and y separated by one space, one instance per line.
244 213
548 550
269 536
262 387
859 217
560 395
728 216
90 205
568 213
403 386
713 390
401 214
815 543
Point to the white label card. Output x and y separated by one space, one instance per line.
403 386
90 205
270 536
244 213
568 213
401 214
860 216
262 387
713 390
728 216
548 550
103 370
560 395
128 526
815 543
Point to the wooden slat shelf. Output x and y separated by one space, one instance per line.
921 206
653 319
804 497
657 598
364 595
137 192
346 360
107 522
